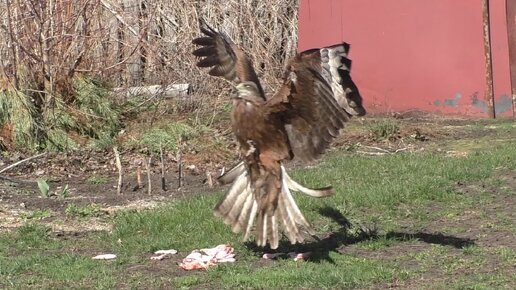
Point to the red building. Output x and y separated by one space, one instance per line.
421 55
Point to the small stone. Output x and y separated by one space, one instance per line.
193 169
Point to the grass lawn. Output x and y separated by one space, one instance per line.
423 219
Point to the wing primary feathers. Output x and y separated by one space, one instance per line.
225 58
205 50
203 41
208 61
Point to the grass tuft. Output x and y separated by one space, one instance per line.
384 129
169 136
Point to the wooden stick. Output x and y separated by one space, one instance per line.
21 161
139 184
119 167
179 167
209 178
148 165
163 181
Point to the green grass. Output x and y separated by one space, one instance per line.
378 195
97 180
32 258
383 129
37 214
90 210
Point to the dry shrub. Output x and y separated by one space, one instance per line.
135 43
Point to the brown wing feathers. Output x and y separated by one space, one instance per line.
310 133
217 52
225 58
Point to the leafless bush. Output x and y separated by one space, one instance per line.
134 43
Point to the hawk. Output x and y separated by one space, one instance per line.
316 97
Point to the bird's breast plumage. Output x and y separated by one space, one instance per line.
252 123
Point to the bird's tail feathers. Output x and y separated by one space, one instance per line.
240 209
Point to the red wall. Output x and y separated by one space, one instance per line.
422 55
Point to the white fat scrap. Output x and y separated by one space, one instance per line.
105 257
162 254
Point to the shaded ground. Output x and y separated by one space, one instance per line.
459 244
434 244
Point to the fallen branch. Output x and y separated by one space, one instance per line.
168 91
21 161
16 180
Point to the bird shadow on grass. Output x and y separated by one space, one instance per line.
348 234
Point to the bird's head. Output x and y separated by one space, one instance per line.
247 90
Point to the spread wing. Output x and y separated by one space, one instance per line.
317 97
225 58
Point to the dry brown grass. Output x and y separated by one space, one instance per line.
142 42
134 43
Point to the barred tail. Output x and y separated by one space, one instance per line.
240 208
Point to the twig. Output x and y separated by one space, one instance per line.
16 180
382 151
117 16
372 153
148 165
377 148
119 167
179 167
21 161
139 184
163 181
400 150
209 178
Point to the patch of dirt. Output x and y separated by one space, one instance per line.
91 179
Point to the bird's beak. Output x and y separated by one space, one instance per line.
234 95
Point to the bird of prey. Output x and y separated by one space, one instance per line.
299 121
